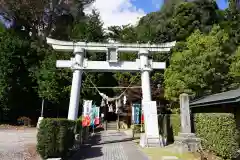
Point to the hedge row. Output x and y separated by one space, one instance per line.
56 137
218 132
175 123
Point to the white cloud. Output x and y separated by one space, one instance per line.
117 12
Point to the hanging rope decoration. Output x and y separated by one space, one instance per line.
110 108
104 96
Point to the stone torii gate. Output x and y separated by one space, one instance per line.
79 63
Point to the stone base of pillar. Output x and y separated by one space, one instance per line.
187 142
150 141
39 121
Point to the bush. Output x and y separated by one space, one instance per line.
78 126
24 121
55 137
175 123
218 133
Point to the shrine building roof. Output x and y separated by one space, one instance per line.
232 96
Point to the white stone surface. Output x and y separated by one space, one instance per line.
185 113
186 141
99 47
150 117
104 66
145 75
76 86
170 158
39 121
151 136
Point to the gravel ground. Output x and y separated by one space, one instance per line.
18 144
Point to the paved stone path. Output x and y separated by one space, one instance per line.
13 143
110 145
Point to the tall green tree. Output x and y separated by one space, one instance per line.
177 20
17 95
235 69
201 68
45 17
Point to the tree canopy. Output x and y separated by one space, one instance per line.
199 69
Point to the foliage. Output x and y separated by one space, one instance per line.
231 24
15 82
188 17
89 30
52 83
218 133
177 20
55 137
124 34
200 68
235 68
78 128
44 18
169 125
2 28
175 123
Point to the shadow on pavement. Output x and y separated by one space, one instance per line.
89 149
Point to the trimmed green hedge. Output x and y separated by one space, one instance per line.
175 123
218 133
55 137
78 127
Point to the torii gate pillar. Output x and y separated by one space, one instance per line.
76 85
145 75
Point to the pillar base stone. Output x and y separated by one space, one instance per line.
187 142
39 121
150 141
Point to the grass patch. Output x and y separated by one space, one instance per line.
158 153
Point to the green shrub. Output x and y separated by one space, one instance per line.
175 123
55 137
218 133
78 126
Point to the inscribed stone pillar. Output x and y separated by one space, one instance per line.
185 113
186 141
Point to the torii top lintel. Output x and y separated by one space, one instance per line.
104 47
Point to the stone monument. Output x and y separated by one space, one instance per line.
186 140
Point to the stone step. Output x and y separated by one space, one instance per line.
112 126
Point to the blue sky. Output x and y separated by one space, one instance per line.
154 5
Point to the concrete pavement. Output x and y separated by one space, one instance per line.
110 145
